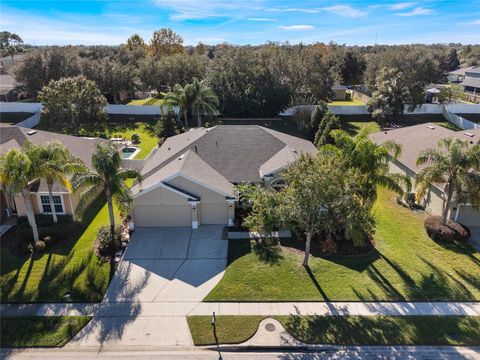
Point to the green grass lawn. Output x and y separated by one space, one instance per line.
147 139
40 331
71 267
352 102
408 265
346 330
148 101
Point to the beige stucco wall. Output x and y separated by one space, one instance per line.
20 205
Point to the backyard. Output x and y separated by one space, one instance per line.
148 101
69 268
407 265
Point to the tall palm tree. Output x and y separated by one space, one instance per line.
17 170
371 160
204 100
108 177
181 97
454 164
55 163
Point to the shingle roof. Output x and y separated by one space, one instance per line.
235 151
414 139
191 166
471 81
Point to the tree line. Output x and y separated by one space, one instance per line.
248 80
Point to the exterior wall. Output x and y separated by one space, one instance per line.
213 213
468 216
162 207
340 94
21 210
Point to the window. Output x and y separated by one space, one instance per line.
57 202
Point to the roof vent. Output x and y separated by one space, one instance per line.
181 157
196 150
31 132
431 127
169 149
469 134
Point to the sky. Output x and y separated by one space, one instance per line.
111 22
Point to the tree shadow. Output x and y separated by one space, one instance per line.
268 250
238 248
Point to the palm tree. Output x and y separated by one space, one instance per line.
204 100
181 97
108 177
371 160
454 164
55 163
17 170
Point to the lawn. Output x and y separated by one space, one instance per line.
408 265
352 102
148 101
119 125
40 331
14 117
71 267
346 330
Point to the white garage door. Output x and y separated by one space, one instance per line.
162 215
213 213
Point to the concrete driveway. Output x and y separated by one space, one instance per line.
165 273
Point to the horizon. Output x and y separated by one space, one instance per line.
362 23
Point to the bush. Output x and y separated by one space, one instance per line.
40 246
452 232
104 239
135 138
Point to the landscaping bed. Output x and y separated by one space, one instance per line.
346 330
40 331
406 266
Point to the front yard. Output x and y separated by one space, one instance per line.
408 265
70 267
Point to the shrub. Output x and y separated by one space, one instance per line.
40 245
135 138
451 232
104 239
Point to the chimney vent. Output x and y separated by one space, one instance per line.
31 132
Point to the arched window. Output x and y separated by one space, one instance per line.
278 184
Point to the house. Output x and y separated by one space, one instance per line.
340 92
468 78
190 180
64 200
413 140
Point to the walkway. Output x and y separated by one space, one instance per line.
182 309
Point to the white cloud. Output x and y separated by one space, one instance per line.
345 10
401 5
300 10
420 10
473 22
297 27
199 9
262 19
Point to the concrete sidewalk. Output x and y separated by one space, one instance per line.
177 308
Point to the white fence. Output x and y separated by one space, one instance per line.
349 110
20 107
137 110
31 122
459 121
138 164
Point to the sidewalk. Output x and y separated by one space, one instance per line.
174 309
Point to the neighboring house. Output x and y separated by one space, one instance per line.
65 201
8 88
468 77
340 92
413 140
190 179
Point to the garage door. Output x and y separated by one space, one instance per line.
162 215
468 216
213 213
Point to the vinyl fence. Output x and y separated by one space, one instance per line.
31 122
20 107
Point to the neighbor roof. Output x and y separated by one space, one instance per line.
471 81
191 166
14 137
414 139
237 152
7 83
463 71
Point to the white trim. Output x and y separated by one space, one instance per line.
40 205
231 201
198 183
194 202
161 184
194 225
71 205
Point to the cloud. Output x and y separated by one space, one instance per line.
261 19
401 6
345 10
420 10
297 27
196 9
471 23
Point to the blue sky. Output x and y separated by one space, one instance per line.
244 22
